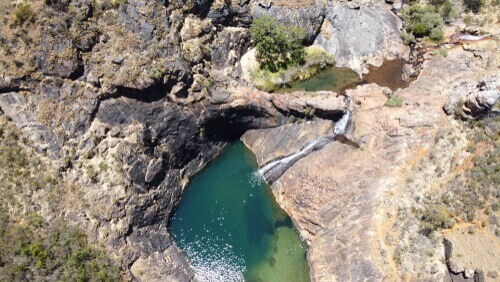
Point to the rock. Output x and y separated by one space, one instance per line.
193 27
230 45
492 274
353 5
334 195
408 72
480 102
476 101
468 273
154 170
179 90
117 60
327 107
434 269
471 254
357 37
324 104
275 143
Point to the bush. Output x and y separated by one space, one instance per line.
24 14
277 46
473 5
437 34
419 29
447 11
420 20
394 101
408 38
435 218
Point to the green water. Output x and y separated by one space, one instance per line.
332 78
230 227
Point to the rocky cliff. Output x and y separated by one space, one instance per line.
125 100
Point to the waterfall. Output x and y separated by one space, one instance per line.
273 170
342 125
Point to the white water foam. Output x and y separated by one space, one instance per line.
213 260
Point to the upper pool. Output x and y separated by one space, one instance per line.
339 79
332 78
230 227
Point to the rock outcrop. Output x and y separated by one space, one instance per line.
472 254
361 35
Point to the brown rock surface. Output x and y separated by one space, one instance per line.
470 251
289 139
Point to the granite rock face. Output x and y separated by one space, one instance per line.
361 35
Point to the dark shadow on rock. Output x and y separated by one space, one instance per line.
154 93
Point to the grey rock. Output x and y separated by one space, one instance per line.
357 37
154 170
354 5
480 102
117 60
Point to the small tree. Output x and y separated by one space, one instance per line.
277 46
421 20
447 11
24 14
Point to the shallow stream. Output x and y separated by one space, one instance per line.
230 227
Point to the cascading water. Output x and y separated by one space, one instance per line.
273 170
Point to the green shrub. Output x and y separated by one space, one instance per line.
394 101
447 12
420 20
419 29
408 38
437 34
473 5
277 46
24 14
434 218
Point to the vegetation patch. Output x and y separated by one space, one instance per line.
24 14
31 247
394 101
278 47
315 59
422 21
473 195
